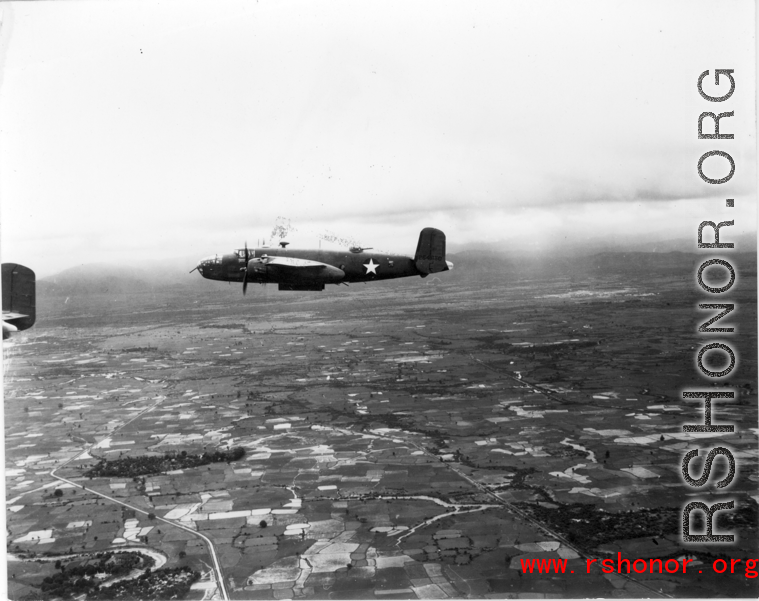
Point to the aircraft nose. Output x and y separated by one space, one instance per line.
204 266
199 267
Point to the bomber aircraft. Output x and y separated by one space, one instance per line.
19 298
312 269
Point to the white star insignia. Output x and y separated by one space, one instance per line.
371 267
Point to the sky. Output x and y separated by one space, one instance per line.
138 131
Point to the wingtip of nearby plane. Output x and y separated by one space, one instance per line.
8 329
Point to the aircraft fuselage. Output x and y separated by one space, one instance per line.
313 269
357 267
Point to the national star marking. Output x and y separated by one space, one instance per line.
371 267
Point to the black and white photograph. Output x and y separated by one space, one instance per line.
379 300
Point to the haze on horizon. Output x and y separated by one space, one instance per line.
134 131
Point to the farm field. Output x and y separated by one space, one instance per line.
408 441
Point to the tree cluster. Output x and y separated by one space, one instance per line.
75 579
588 526
130 467
166 583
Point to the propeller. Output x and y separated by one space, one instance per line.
245 275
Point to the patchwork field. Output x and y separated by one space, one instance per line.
407 441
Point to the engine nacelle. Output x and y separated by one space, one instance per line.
257 269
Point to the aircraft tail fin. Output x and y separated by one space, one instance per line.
430 252
19 297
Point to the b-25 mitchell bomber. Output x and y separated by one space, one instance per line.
312 269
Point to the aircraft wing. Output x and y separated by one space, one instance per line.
9 316
296 264
292 269
8 326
